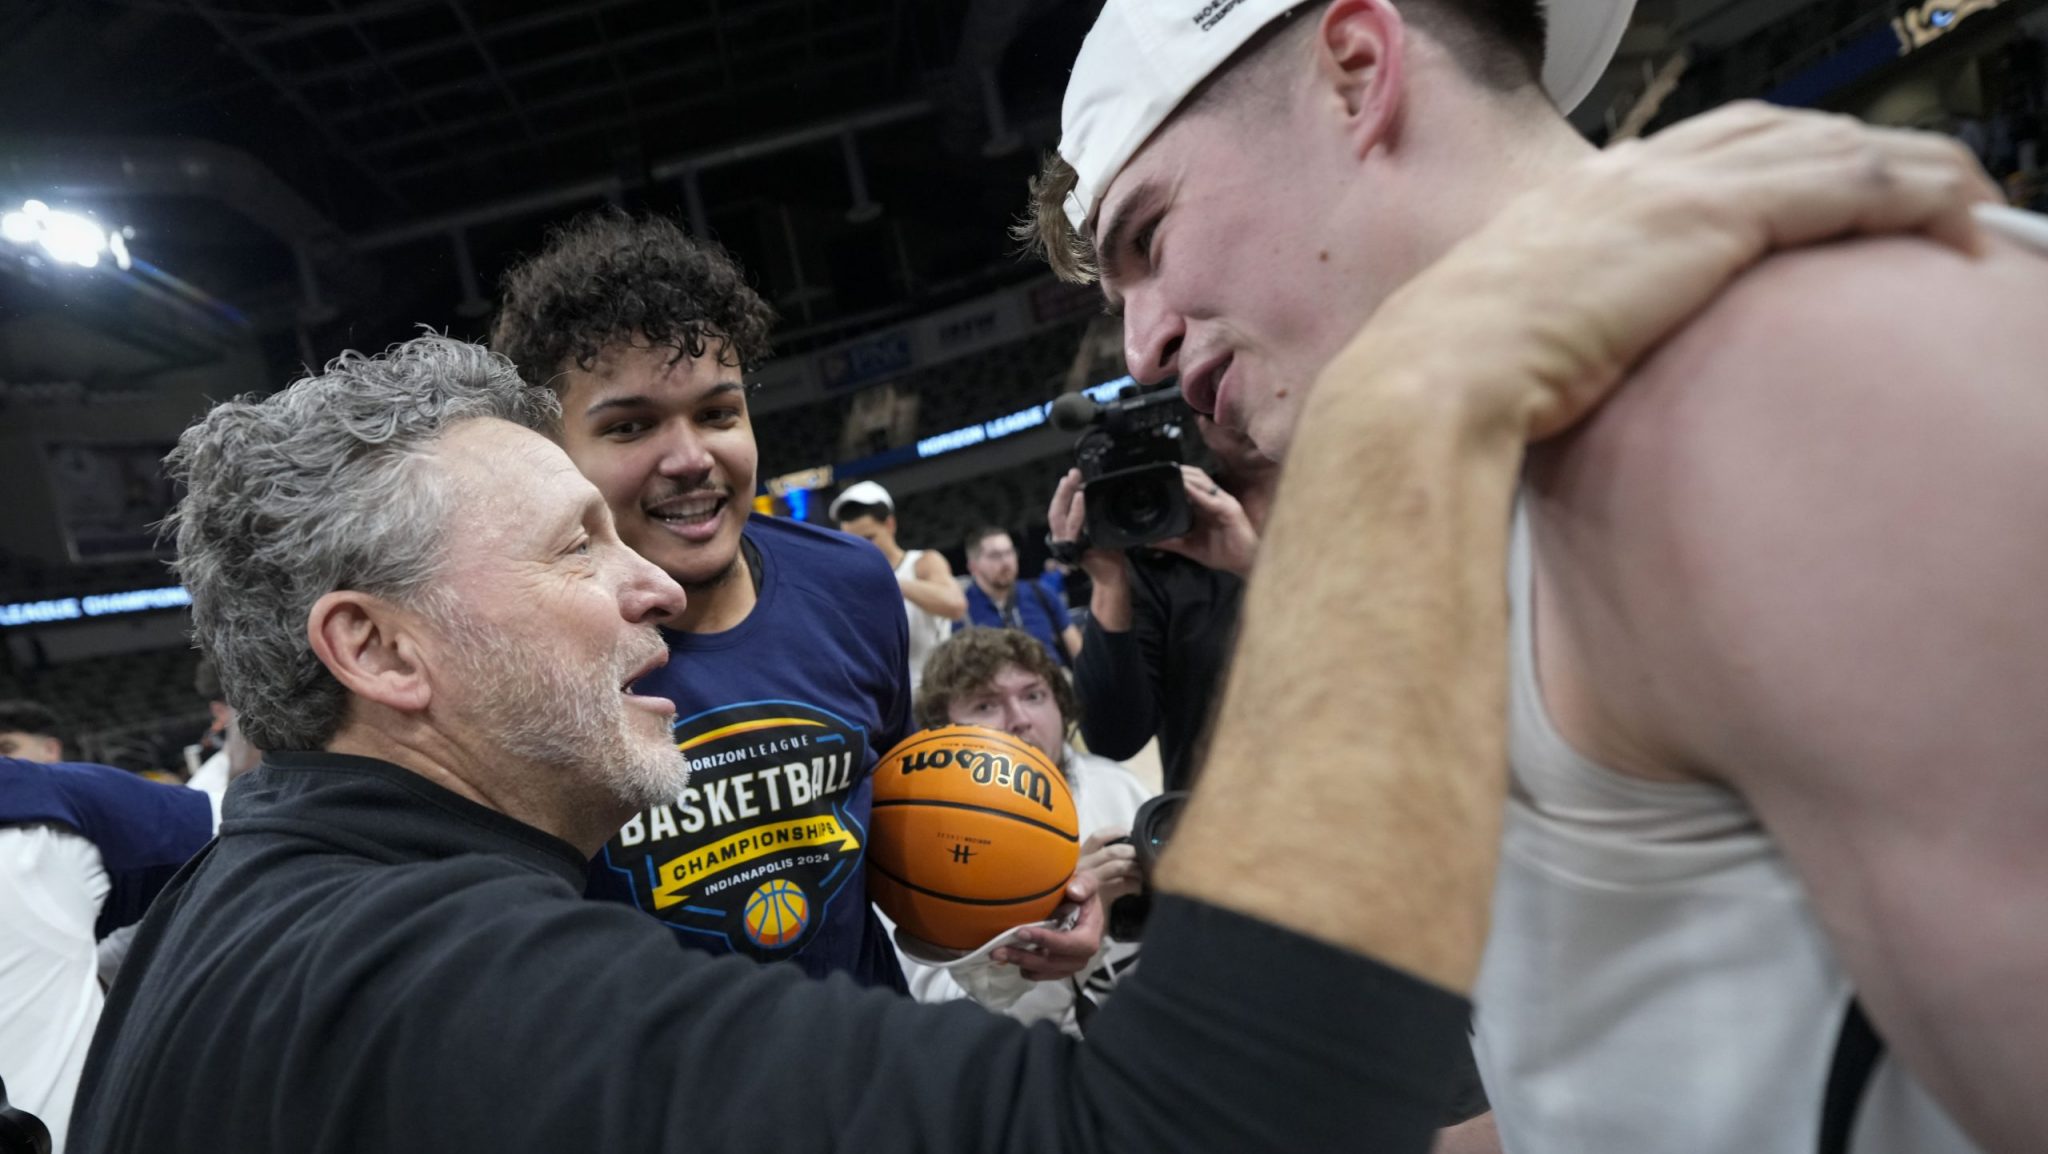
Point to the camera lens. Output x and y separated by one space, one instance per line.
1152 827
1142 506
1159 831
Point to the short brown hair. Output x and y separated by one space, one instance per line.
967 661
974 539
1499 43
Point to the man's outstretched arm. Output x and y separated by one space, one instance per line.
1802 553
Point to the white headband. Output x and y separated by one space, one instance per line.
1143 57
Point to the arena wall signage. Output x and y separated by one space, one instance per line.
94 605
795 488
1878 48
963 330
992 429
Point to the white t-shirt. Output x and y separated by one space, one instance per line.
52 885
211 779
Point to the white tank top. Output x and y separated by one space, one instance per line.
927 629
1655 980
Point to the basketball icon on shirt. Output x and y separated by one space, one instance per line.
777 913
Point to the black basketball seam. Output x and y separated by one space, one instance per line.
966 805
967 901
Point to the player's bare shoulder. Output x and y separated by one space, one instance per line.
1832 356
1835 423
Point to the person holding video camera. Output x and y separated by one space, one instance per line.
1162 617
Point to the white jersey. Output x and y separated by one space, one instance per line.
211 779
928 630
1656 979
52 885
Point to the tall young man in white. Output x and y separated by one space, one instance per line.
83 851
1779 656
932 600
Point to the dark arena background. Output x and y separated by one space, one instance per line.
201 197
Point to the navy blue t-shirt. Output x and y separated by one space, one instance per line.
783 718
1031 608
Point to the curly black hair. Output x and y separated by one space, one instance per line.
606 278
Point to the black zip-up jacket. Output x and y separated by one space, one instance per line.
1164 676
363 961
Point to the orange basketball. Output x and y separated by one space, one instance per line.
974 832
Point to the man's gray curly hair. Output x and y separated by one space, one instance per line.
326 485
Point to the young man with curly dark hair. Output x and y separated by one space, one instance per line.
792 673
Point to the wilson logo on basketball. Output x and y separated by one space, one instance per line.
985 768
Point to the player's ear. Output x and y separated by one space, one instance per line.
1360 56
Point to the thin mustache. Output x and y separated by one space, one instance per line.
710 490
645 656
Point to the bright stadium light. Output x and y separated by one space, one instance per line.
18 228
65 237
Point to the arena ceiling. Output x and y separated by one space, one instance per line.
339 171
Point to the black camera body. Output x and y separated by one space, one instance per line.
1130 460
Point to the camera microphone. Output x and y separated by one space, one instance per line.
1074 412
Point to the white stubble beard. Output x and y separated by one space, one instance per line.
572 721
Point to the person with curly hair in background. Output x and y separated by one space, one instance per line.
795 681
1003 679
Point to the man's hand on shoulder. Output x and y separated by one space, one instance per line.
1578 278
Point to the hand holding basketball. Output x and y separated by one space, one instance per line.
1051 955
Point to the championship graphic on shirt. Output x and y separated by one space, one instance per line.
755 848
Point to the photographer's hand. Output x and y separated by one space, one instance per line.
1109 856
1110 605
1222 536
1049 955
